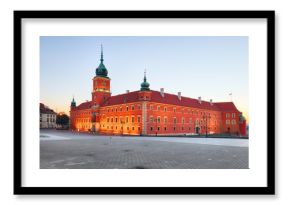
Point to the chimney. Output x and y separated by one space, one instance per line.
199 100
127 91
179 95
162 92
210 101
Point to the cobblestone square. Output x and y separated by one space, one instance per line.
69 150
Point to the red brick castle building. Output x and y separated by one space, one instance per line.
149 112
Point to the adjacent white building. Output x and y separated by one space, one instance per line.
47 117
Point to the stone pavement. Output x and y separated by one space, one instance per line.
67 150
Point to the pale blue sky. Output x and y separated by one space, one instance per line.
206 66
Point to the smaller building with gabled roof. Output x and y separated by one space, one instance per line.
47 117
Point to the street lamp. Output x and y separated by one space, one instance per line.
156 126
206 117
122 128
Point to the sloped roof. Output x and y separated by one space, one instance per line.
45 110
167 99
85 105
122 98
185 101
170 99
226 106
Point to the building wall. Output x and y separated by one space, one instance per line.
230 122
47 120
121 119
150 118
175 120
81 120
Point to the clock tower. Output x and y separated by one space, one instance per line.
101 84
101 92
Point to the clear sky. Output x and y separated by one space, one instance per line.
206 66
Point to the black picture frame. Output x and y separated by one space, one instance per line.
268 190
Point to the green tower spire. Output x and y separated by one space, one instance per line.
73 103
101 69
145 85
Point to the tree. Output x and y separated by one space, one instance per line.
62 120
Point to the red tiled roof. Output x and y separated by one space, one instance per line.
122 98
45 109
167 99
85 105
170 99
185 101
226 106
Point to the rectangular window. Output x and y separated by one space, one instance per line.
174 120
132 119
133 128
151 128
228 122
165 120
158 119
183 120
158 108
233 115
151 119
127 119
139 107
158 128
116 119
133 107
174 109
227 115
233 122
120 109
165 109
139 119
